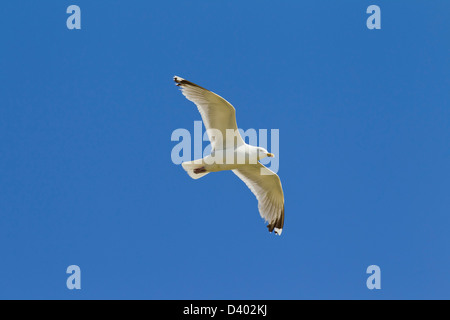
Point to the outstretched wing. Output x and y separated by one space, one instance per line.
266 186
216 112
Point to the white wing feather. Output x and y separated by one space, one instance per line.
266 186
216 112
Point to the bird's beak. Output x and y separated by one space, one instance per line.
271 155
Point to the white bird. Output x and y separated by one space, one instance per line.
230 152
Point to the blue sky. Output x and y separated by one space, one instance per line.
86 175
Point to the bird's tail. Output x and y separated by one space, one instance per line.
195 169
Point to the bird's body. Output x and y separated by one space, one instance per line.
230 152
231 158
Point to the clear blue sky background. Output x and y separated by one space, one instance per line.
86 176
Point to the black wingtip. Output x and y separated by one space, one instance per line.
182 82
178 80
277 224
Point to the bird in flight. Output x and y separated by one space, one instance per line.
230 152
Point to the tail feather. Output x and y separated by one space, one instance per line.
190 166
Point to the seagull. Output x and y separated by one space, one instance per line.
230 152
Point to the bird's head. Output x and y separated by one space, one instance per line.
262 153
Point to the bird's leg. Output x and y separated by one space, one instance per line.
199 170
